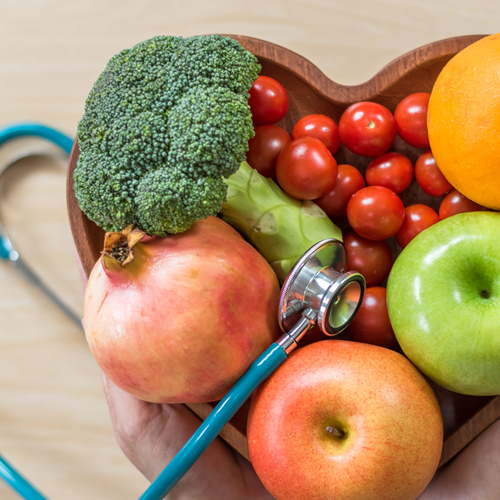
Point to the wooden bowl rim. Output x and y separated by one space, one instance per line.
347 94
343 95
85 231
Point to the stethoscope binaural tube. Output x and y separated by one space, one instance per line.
7 251
316 291
29 129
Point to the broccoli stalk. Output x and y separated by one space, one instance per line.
165 124
281 228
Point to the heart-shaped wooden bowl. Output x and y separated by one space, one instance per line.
310 91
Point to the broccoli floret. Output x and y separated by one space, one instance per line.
102 182
218 120
169 202
165 123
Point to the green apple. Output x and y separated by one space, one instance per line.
443 297
346 421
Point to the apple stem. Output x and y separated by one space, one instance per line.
335 432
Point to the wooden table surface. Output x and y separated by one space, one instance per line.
54 423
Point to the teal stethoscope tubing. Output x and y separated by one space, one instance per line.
28 129
17 482
7 472
7 252
213 424
259 371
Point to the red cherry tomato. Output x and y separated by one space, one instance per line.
411 119
305 169
334 202
268 101
371 324
320 126
265 148
367 129
373 259
429 177
391 170
315 334
417 218
456 203
375 212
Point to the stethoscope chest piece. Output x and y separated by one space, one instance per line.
319 284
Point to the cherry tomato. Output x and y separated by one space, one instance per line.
456 203
373 259
315 334
320 126
265 148
417 218
411 119
334 202
375 212
391 170
306 169
371 324
367 129
268 101
429 177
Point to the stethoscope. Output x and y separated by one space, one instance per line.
317 292
8 252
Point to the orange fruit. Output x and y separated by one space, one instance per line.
464 121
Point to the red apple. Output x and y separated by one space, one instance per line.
346 421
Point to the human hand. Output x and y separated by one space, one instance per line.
150 435
474 474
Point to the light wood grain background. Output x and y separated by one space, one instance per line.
54 423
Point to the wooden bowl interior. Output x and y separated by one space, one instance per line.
310 91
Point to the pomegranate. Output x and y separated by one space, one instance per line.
180 319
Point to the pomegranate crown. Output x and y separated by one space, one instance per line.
118 246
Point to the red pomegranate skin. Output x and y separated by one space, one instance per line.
186 318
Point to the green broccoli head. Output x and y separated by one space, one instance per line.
164 124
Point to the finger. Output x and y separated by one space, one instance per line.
474 473
149 434
123 407
152 434
138 423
